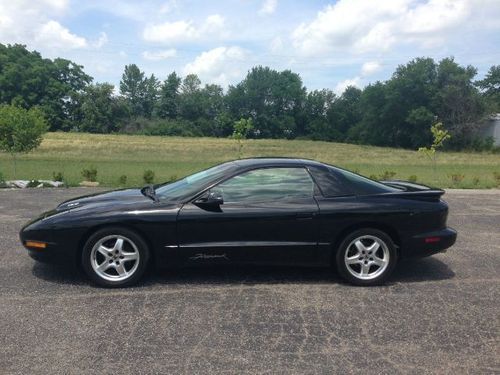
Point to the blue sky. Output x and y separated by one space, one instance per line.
331 44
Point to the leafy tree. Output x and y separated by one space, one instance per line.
439 136
458 103
490 86
132 87
344 113
190 98
168 106
316 106
241 130
101 110
418 119
399 112
274 100
27 80
375 127
150 95
211 100
21 130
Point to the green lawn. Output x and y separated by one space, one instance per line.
173 157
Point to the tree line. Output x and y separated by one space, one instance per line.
397 112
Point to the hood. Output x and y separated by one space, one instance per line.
121 197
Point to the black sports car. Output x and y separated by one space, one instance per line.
260 211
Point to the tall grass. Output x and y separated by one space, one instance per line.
115 156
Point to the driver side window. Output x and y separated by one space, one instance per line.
267 184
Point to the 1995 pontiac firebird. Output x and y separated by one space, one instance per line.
259 211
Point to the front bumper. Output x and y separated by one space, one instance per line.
426 244
53 253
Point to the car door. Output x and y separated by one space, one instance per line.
268 215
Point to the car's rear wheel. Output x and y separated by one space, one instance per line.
366 257
115 257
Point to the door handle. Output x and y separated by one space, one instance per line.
305 215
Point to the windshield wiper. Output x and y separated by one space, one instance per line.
149 191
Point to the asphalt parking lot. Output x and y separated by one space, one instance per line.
437 315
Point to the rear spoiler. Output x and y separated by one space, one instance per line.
413 191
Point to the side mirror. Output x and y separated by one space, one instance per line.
211 201
215 197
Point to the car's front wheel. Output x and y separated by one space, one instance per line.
366 257
115 257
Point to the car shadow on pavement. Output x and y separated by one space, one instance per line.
58 274
424 269
409 271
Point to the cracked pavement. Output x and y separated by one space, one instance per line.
436 315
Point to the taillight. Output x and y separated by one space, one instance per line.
432 239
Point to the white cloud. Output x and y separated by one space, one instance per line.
35 23
276 44
53 35
268 6
370 67
59 5
341 86
213 23
169 32
103 39
362 26
159 55
220 65
184 31
168 6
359 81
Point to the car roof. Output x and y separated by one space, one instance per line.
274 161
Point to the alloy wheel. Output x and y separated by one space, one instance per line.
367 257
114 258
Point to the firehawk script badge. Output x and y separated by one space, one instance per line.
209 256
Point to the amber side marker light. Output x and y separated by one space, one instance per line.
35 244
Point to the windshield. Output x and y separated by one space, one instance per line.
190 185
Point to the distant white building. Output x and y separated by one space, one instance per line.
491 128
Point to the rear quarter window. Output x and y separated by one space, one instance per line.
361 185
336 182
330 184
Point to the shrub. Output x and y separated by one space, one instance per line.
33 184
387 175
90 174
122 180
148 176
412 178
168 127
21 130
457 178
58 176
496 177
475 181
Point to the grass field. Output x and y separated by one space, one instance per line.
174 157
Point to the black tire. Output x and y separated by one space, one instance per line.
132 243
364 260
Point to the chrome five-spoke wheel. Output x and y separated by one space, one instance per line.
115 258
366 257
